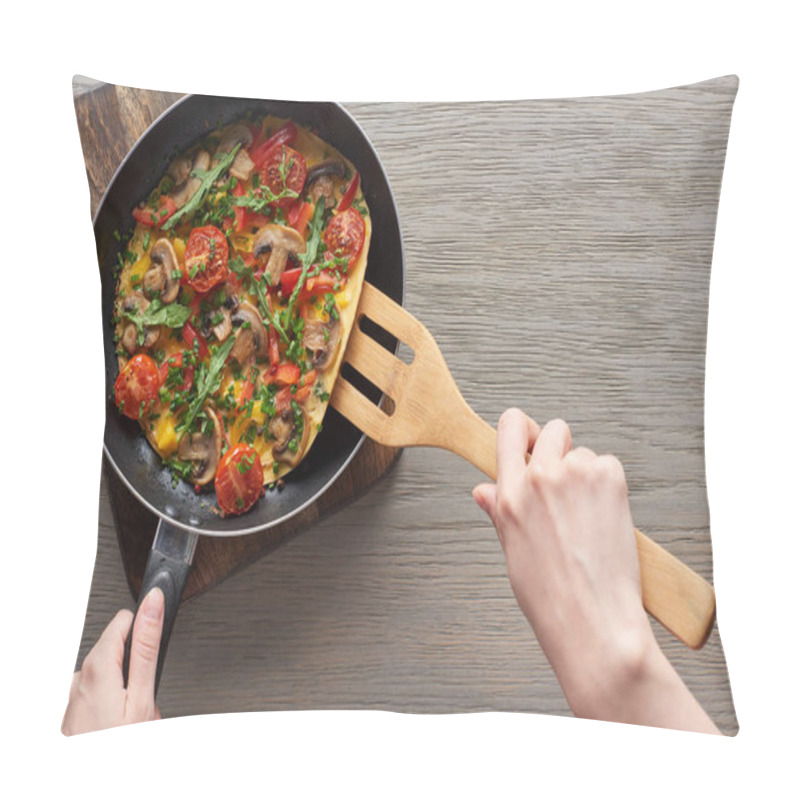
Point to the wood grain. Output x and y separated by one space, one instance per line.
559 253
429 410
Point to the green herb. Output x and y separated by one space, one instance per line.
179 469
250 434
239 268
207 380
330 306
307 258
173 315
207 180
245 463
263 307
320 392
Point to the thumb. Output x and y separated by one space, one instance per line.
145 645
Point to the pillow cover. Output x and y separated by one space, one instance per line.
559 251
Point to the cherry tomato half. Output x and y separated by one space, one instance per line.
136 387
345 234
239 480
295 166
205 263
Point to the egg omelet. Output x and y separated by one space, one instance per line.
236 293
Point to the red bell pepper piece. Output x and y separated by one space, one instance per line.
349 194
289 280
284 374
247 392
190 335
155 218
283 399
286 134
294 210
309 378
326 281
302 217
252 219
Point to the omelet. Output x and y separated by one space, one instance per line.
236 294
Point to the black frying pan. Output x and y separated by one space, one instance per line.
182 513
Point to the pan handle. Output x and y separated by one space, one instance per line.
168 567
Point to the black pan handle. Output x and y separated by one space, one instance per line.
168 567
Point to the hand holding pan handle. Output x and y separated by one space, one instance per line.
168 567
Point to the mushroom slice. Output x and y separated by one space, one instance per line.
179 169
185 190
218 319
319 181
288 447
236 134
222 330
159 279
203 450
252 339
242 165
280 242
136 301
322 339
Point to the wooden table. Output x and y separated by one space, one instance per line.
563 267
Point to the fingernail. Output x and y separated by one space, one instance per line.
153 604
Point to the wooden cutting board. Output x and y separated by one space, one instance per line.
110 120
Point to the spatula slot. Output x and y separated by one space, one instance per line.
396 346
368 389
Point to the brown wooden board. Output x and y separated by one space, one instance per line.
110 120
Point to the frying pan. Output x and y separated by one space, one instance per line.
183 514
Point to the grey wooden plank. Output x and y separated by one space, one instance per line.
559 252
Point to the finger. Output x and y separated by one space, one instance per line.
552 444
516 436
105 658
581 455
144 650
485 495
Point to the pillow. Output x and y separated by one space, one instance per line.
559 251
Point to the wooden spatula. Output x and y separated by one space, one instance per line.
429 410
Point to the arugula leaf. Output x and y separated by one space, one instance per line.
263 307
207 180
307 258
207 381
173 315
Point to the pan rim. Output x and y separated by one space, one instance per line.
263 526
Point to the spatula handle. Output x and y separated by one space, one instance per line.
680 599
